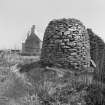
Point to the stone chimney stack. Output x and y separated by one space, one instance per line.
33 29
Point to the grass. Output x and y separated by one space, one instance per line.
37 85
13 87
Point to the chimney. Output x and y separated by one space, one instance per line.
33 29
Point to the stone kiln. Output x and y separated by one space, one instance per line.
66 43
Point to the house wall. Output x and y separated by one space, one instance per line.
33 50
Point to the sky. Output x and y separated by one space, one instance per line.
17 17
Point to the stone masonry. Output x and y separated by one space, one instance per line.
66 43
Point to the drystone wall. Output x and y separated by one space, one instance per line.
66 43
97 52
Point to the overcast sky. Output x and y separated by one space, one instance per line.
17 16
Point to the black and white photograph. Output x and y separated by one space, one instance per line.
52 52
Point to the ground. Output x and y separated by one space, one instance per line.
11 85
39 85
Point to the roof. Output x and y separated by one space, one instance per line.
32 36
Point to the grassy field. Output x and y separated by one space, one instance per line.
28 88
44 85
11 86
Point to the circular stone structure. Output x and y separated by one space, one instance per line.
66 43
